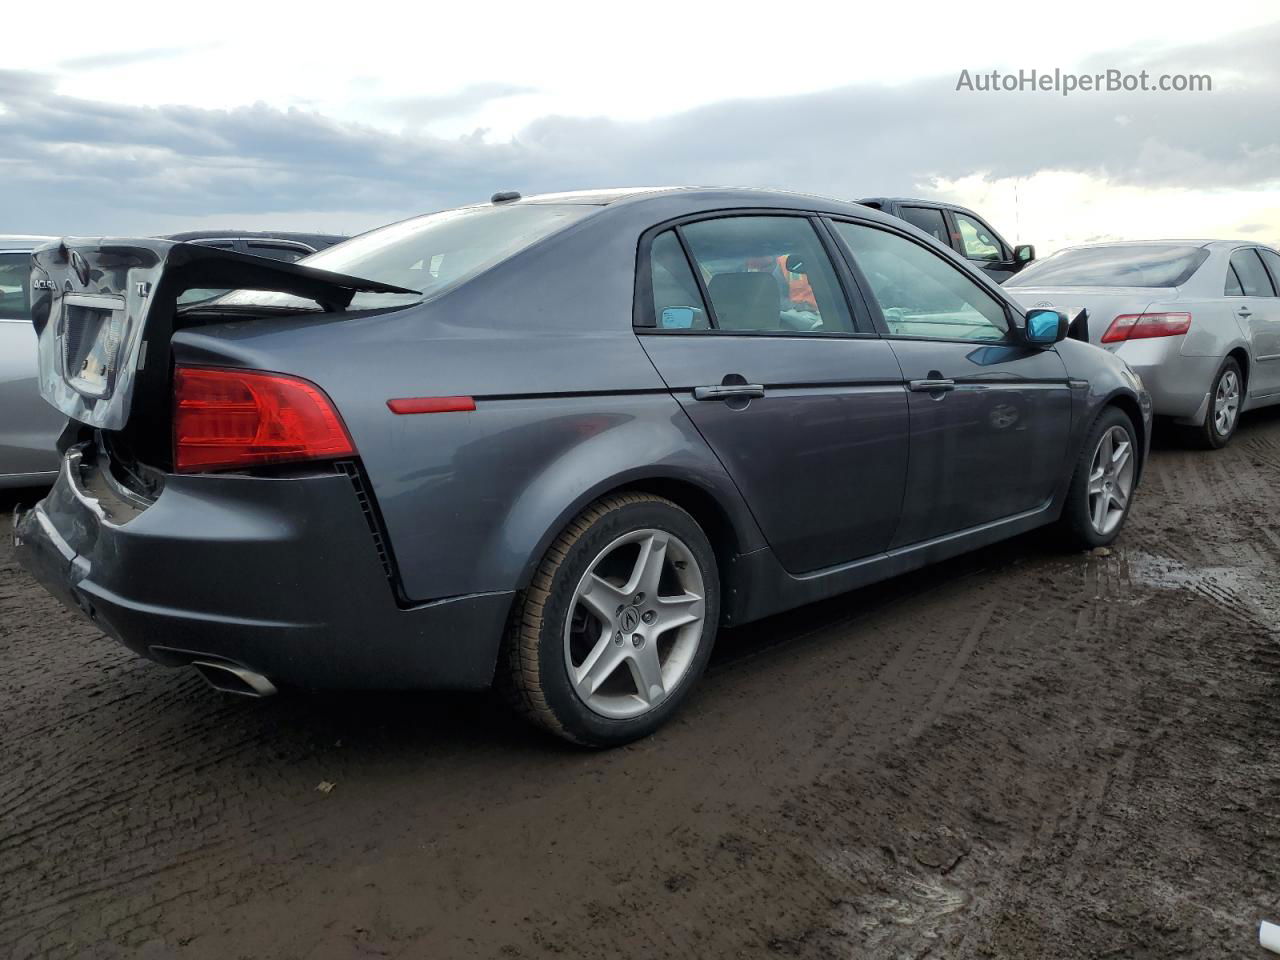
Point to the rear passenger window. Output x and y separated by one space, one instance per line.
1272 260
1233 288
920 293
677 301
767 274
929 220
1253 278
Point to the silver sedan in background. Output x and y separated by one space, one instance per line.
1198 320
28 425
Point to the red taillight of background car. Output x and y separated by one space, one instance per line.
1140 326
225 418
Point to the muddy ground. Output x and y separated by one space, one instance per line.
1017 754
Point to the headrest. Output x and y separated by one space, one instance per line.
746 301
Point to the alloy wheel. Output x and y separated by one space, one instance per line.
634 624
1226 403
1110 480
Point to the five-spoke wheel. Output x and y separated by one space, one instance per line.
635 624
617 624
1110 479
1102 485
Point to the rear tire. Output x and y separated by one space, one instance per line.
1103 483
617 624
1226 396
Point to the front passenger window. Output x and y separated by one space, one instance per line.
767 274
920 293
976 240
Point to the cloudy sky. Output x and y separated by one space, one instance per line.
341 117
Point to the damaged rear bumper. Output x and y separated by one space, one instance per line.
277 576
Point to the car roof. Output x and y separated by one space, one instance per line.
916 202
1188 242
600 197
702 198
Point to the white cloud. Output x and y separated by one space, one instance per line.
585 58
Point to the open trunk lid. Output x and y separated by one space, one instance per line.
105 308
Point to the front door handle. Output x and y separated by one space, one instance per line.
932 386
729 391
1245 312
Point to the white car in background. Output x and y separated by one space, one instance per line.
1198 320
28 425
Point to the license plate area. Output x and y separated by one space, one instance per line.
90 334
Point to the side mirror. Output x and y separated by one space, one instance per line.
1046 327
1023 254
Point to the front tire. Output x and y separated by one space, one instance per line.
1225 397
1103 483
617 624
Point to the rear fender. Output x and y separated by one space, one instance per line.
639 453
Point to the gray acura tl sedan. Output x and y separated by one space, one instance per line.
552 443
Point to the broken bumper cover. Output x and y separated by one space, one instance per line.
280 576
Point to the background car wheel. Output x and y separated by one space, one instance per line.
617 624
1103 483
1225 398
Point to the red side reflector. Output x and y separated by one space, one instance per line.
1141 326
243 418
431 404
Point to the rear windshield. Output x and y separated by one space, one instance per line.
15 277
430 254
1124 265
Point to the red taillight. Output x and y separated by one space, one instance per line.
1140 326
242 418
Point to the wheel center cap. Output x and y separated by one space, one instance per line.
629 619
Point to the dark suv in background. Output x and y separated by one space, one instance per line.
289 247
962 230
278 246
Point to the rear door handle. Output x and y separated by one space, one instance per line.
932 386
1245 312
729 391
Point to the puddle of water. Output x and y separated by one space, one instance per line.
1237 585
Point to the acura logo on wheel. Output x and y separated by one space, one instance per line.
630 619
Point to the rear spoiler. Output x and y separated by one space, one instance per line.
97 303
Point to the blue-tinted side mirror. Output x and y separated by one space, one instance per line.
1045 327
677 318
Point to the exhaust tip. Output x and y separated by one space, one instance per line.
233 679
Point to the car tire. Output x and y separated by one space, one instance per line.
1226 396
1084 524
592 597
